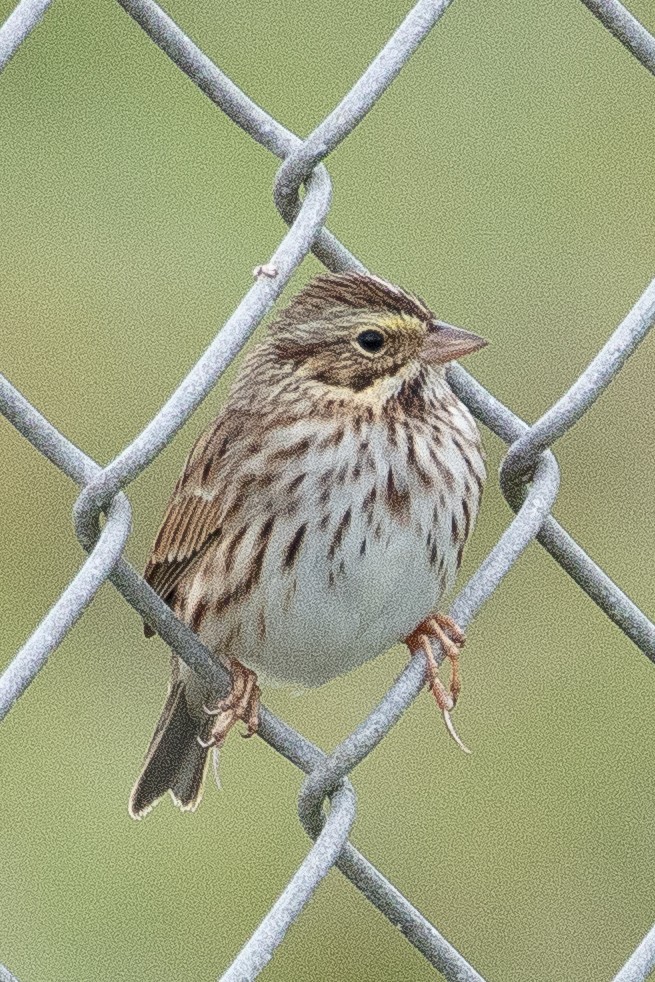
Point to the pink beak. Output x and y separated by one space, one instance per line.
445 343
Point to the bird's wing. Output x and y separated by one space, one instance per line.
196 508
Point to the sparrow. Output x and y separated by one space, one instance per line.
320 518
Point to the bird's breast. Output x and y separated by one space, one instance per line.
357 537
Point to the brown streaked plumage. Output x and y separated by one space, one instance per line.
321 516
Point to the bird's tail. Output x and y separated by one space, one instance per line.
175 761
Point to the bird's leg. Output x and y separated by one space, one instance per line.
435 627
242 703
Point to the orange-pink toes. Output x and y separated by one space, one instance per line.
242 703
434 628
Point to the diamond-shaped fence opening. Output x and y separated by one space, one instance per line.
529 478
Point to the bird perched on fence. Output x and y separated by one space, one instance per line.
320 518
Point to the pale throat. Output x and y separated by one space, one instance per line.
389 386
382 390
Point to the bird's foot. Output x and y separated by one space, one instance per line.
441 628
242 703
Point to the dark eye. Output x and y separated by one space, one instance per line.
371 341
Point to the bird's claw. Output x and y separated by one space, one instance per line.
212 712
241 703
453 732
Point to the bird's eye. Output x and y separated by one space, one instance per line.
371 341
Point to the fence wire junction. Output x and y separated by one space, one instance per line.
529 479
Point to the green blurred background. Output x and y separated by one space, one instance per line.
507 176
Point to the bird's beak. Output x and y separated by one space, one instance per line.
445 343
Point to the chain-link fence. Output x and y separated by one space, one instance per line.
529 478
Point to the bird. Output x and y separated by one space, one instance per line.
319 519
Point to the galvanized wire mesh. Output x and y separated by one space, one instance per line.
529 478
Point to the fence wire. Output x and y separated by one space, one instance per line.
529 479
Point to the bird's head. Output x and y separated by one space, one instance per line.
352 330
